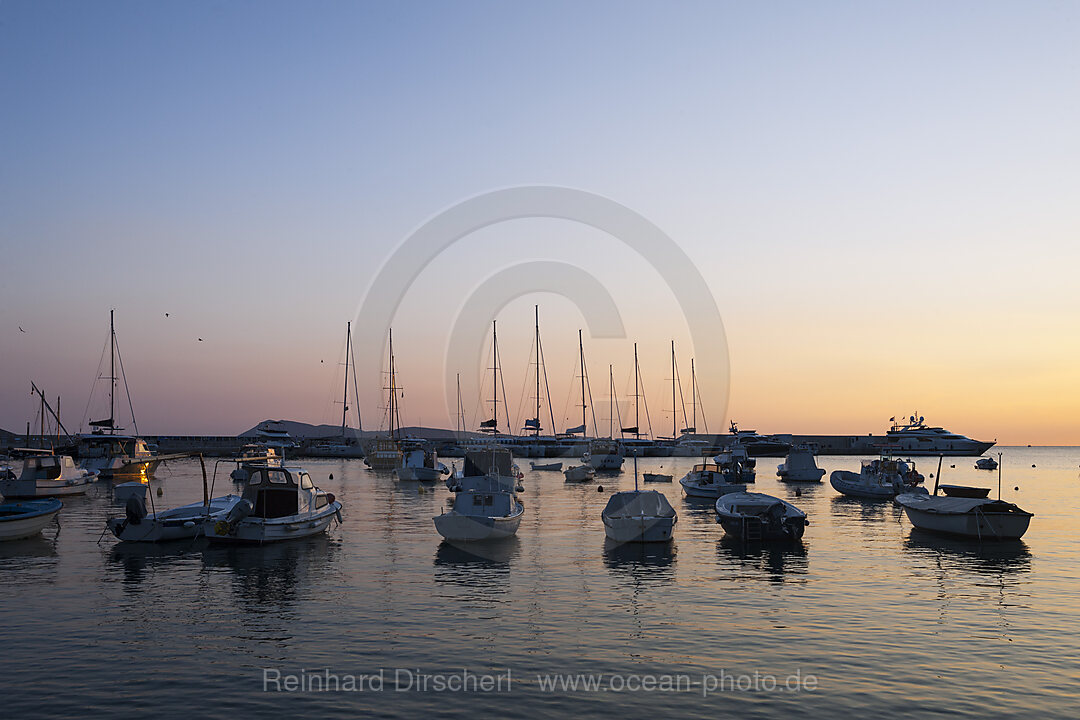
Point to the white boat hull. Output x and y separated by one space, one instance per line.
639 529
419 474
29 489
18 528
469 528
266 530
710 490
855 485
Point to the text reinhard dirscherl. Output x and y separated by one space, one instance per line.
467 681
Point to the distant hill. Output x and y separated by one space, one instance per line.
306 431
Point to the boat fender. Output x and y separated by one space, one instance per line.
135 510
331 476
599 488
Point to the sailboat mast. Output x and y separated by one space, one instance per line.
637 419
581 356
495 376
693 393
112 372
460 419
674 427
536 430
345 397
393 390
611 402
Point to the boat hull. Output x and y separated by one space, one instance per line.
735 525
641 529
801 476
258 531
851 484
183 523
28 489
472 528
419 474
20 520
709 491
980 526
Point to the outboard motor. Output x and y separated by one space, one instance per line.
135 509
239 511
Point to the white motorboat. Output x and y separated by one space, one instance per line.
579 473
279 503
19 520
254 454
486 510
604 455
986 463
709 480
879 479
554 467
980 518
917 438
736 464
421 464
799 466
179 523
757 516
47 475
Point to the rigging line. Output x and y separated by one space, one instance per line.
547 388
701 406
521 398
356 392
592 406
502 379
93 386
682 400
645 402
131 408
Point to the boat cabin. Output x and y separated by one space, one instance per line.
491 461
485 503
634 504
276 492
98 445
48 467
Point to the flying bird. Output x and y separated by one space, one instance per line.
200 339
21 330
166 314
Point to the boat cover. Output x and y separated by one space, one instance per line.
954 505
633 503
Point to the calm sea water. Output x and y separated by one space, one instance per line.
864 616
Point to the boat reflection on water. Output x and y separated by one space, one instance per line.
1002 557
851 508
775 561
135 559
276 573
42 545
652 562
477 565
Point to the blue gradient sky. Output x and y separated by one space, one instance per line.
882 197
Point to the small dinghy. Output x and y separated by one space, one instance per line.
554 467
278 503
986 463
757 516
19 520
799 466
656 477
421 465
487 509
579 473
965 491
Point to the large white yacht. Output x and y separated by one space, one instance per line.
917 438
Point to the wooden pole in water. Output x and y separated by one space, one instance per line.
205 490
937 478
999 476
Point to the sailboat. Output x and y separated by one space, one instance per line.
534 443
638 515
106 449
690 443
604 454
384 453
345 446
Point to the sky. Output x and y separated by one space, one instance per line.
880 197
